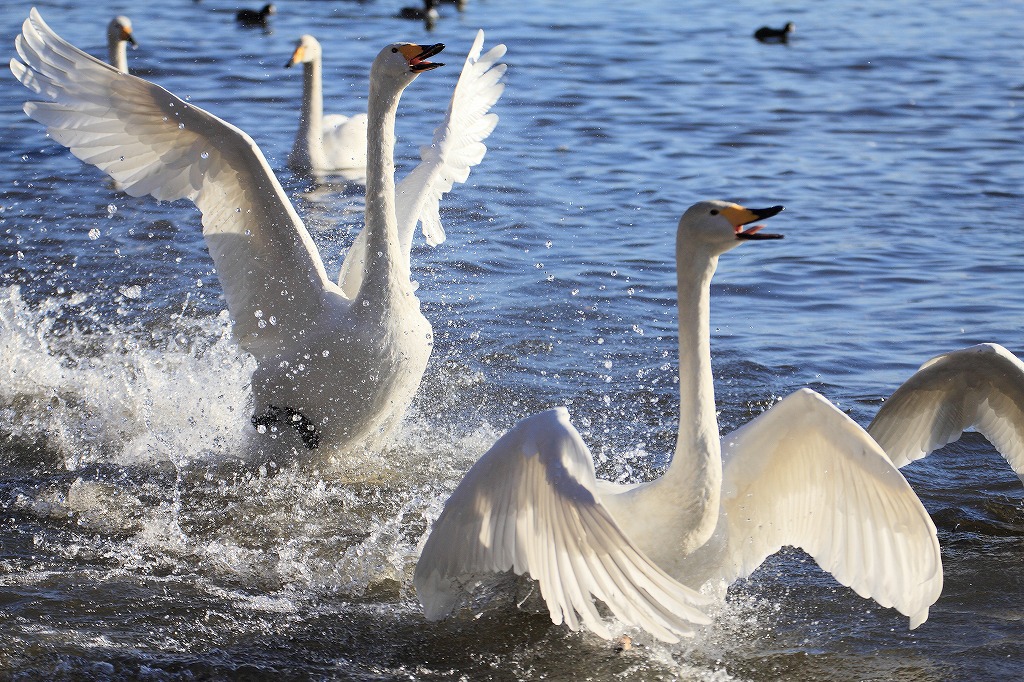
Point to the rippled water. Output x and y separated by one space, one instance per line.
136 543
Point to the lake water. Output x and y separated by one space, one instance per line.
136 543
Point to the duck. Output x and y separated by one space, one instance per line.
254 17
119 35
323 143
337 364
802 473
426 13
767 34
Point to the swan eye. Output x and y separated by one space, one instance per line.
394 50
714 211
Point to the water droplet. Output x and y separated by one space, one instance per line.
204 155
24 157
326 353
600 340
262 324
258 313
575 292
551 278
21 256
238 210
111 209
199 282
607 364
547 244
94 233
629 291
273 320
615 273
638 330
539 266
181 126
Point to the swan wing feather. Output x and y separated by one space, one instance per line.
152 142
529 505
805 474
980 387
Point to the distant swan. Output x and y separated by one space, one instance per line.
337 363
767 34
980 387
323 143
802 473
119 34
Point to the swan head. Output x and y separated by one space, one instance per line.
720 225
307 50
120 29
402 62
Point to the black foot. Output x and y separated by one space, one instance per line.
274 416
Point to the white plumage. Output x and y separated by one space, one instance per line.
802 474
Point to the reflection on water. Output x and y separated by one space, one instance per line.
139 539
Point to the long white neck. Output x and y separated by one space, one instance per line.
117 51
308 150
385 272
694 477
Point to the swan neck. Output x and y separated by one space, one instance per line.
697 463
309 147
117 51
384 268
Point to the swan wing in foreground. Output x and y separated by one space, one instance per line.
805 474
529 505
152 142
457 146
980 387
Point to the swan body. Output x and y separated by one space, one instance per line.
119 34
323 143
337 366
981 387
802 474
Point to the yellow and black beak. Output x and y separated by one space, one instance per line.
297 57
126 34
417 56
740 216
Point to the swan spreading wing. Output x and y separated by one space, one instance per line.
980 387
152 142
805 474
529 505
457 146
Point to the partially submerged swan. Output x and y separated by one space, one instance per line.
338 363
802 474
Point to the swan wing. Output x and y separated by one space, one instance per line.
805 474
456 147
980 387
529 505
152 142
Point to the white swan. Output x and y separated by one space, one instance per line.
802 474
323 143
980 387
119 34
339 363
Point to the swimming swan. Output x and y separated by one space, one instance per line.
801 473
337 363
323 143
119 34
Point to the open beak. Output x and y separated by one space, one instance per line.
417 56
740 217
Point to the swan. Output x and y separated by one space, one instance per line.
252 17
767 34
323 143
801 473
119 34
337 363
980 387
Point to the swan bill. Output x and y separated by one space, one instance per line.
297 57
417 56
740 216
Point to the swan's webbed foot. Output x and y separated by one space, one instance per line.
274 416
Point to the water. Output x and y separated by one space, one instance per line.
137 544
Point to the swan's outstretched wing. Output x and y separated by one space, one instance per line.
152 142
529 505
980 387
805 474
457 146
